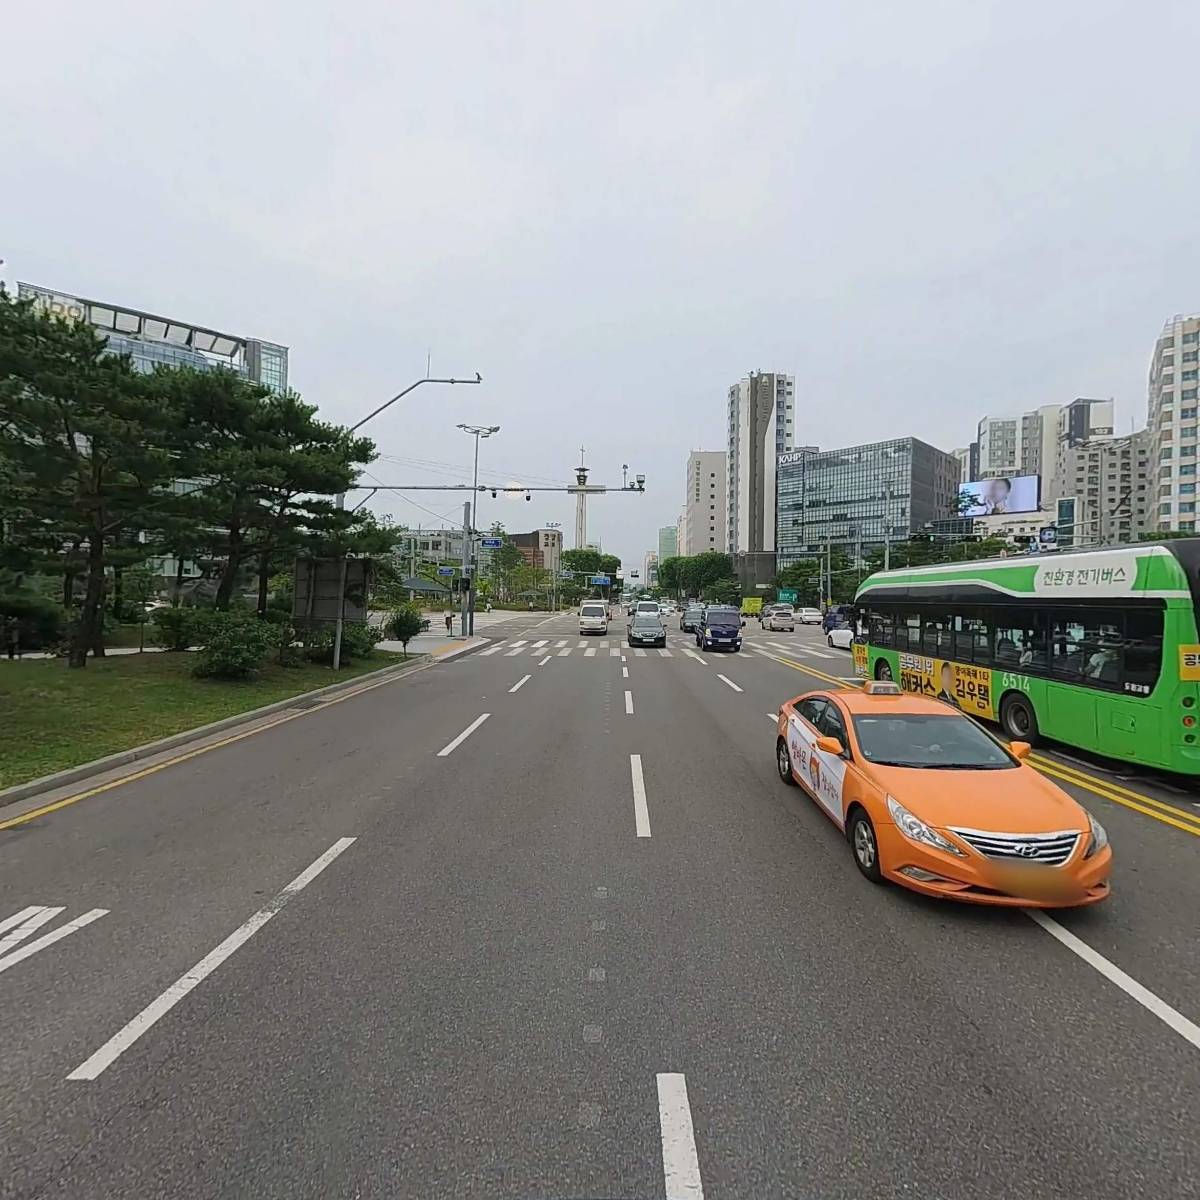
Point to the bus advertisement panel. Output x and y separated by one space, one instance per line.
966 687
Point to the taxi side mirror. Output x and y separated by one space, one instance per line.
1019 749
829 745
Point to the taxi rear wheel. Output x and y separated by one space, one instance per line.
783 762
864 845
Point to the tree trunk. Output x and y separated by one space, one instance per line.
69 576
232 566
264 577
178 593
91 612
118 596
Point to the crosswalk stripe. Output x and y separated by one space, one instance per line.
541 643
563 653
590 652
614 652
560 645
604 643
513 652
817 653
639 653
581 645
664 654
491 650
522 642
693 654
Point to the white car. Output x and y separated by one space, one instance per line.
808 616
841 637
593 617
780 617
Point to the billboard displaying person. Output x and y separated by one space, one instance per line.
995 497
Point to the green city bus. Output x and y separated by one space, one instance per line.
1094 648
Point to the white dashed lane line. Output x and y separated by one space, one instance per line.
728 682
624 672
681 1165
450 747
629 703
641 813
544 661
516 687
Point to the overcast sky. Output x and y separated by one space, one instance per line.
924 211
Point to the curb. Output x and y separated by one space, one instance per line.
48 783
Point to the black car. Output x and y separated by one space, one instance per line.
720 628
690 618
647 629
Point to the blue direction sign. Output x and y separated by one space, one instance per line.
491 543
600 579
445 570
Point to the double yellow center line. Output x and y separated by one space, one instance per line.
1160 810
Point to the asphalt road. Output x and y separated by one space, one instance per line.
577 952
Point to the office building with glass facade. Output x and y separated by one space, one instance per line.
859 497
152 341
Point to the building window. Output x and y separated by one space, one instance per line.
1187 506
1187 489
1164 510
1191 375
1189 338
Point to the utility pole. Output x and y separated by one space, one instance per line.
581 476
477 432
465 581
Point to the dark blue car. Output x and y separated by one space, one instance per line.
720 629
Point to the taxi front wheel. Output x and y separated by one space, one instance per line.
783 761
864 845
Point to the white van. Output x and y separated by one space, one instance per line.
593 617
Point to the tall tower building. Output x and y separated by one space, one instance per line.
705 504
1171 424
760 426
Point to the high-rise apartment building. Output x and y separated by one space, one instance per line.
541 548
668 542
760 426
1106 490
650 568
1171 423
968 462
704 511
861 496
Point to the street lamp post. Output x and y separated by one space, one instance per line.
341 503
554 574
468 608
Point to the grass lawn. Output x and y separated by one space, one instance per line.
52 718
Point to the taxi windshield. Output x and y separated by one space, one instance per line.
929 741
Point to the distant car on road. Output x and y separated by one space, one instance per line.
781 617
764 612
720 628
808 616
841 637
839 614
647 629
593 617
690 618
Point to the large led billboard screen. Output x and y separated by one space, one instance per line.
994 497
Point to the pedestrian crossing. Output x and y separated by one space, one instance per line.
591 648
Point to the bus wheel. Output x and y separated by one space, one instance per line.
883 669
1018 719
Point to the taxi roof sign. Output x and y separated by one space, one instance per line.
881 687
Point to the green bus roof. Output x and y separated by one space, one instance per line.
1146 570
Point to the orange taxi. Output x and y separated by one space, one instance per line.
930 800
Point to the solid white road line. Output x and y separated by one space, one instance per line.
629 703
639 652
450 747
513 653
123 1039
516 687
563 653
537 645
664 654
492 649
624 672
729 682
590 652
47 939
544 661
681 1166
1188 1030
641 814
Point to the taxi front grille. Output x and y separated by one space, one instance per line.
1049 849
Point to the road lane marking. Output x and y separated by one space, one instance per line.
544 661
1169 1016
492 649
522 642
779 645
581 645
159 1007
450 747
629 703
590 652
604 643
31 919
538 645
615 652
773 718
513 653
681 1166
664 653
563 653
728 682
641 814
560 644
639 653
624 672
516 687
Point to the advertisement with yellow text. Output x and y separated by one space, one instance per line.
966 687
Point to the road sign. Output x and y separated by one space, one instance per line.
491 543
787 596
445 570
599 579
318 581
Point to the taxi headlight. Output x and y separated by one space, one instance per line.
917 831
1099 838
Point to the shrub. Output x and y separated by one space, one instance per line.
358 641
404 624
235 646
179 628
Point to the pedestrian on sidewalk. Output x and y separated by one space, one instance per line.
449 624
